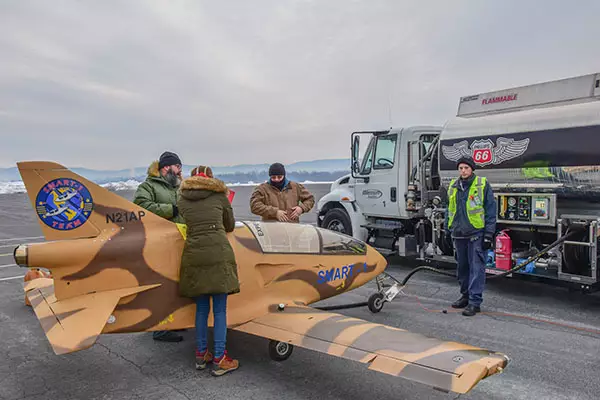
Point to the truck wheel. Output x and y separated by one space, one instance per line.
337 220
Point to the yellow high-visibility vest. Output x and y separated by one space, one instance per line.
475 210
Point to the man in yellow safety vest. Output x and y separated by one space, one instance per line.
471 221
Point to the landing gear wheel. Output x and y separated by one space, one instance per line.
376 302
280 351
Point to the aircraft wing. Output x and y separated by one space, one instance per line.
447 366
75 323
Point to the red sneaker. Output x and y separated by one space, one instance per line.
203 358
224 364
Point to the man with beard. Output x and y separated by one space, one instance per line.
280 199
158 194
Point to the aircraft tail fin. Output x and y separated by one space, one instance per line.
70 206
74 324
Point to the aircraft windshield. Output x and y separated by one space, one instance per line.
336 243
302 239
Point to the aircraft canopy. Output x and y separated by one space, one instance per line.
293 238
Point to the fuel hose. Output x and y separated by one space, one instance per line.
536 256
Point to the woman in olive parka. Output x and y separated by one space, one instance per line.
208 266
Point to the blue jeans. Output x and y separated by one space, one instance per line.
471 268
220 325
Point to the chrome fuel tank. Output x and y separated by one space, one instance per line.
567 182
545 150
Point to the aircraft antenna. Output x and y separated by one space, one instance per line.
390 107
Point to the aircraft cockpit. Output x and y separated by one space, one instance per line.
293 238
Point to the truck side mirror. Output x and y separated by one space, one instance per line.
355 153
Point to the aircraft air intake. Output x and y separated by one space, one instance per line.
20 255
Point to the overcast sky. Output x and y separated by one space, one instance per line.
112 84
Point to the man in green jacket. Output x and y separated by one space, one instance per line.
158 194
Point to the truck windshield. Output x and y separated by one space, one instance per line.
365 168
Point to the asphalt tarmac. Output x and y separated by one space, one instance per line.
559 359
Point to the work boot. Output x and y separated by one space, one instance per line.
167 336
471 310
461 303
224 364
203 358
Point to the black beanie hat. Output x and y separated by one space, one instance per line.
276 169
167 158
466 160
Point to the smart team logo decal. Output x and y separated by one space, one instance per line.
64 204
484 152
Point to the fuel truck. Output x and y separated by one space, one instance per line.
538 146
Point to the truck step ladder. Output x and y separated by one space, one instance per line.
383 227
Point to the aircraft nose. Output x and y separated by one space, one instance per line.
376 258
382 263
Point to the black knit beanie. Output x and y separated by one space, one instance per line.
466 160
276 169
167 158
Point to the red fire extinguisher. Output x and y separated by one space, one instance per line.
503 251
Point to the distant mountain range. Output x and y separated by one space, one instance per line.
306 169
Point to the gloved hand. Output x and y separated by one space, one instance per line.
487 243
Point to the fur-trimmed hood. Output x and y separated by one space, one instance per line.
154 174
198 187
153 169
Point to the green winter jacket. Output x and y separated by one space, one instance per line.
157 195
208 263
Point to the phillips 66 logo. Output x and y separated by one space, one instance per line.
484 152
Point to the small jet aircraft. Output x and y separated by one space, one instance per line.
115 269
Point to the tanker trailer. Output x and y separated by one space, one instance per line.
539 147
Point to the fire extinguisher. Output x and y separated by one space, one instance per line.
503 251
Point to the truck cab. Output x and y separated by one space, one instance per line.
386 184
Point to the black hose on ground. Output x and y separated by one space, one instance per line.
343 306
567 235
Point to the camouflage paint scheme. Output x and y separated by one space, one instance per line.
118 272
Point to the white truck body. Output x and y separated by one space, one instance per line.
538 143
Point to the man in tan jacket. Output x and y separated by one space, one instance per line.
280 199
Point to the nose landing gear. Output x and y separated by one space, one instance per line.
385 292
